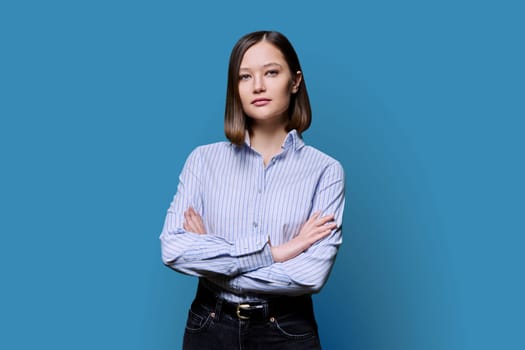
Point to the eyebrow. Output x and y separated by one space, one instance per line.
264 66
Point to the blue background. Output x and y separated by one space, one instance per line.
421 101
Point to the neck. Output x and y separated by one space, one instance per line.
267 140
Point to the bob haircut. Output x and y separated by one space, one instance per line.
235 120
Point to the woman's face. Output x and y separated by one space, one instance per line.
266 83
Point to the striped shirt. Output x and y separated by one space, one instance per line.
245 207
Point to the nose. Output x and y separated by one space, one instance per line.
258 85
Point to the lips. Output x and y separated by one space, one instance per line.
260 102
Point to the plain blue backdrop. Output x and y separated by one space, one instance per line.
421 101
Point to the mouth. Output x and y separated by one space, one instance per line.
261 101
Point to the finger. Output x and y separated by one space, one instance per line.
313 219
192 222
201 227
190 212
194 214
315 215
188 226
330 228
325 219
320 230
328 217
324 234
197 224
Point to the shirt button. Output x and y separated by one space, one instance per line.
255 224
259 190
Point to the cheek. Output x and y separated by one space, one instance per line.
285 96
244 95
284 89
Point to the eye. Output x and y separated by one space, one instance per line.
244 76
272 73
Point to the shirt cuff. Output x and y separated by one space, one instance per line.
252 254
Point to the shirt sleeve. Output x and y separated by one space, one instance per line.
207 254
309 271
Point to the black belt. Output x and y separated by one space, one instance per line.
256 311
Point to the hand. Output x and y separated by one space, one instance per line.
313 230
316 228
193 222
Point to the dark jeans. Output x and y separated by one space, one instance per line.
214 324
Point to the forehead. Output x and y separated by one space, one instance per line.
261 54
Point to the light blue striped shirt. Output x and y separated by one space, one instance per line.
245 206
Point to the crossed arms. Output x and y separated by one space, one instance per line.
252 263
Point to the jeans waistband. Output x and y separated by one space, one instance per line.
256 311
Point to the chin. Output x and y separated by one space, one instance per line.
267 116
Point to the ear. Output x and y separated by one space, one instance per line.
296 81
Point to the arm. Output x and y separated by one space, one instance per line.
308 271
205 255
314 229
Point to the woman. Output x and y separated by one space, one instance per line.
257 219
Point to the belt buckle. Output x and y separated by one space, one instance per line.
242 307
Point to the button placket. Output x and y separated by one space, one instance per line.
259 186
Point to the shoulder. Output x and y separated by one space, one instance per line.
204 154
331 171
211 149
322 159
212 153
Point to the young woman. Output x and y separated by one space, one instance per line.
257 219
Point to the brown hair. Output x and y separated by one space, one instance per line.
235 121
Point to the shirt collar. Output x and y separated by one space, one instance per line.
292 141
247 138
